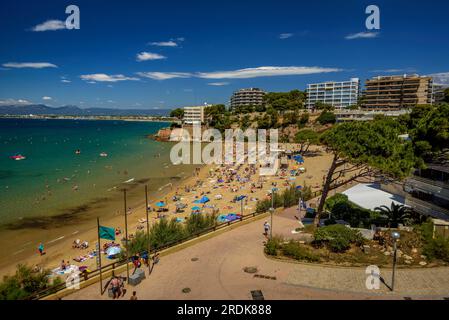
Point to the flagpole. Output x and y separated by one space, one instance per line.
148 227
99 256
126 237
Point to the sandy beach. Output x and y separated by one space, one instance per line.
204 181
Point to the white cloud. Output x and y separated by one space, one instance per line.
180 39
101 77
264 72
65 81
362 35
47 98
283 36
239 74
393 70
14 102
49 25
170 43
164 75
218 84
33 65
144 56
440 78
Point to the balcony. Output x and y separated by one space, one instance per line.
427 208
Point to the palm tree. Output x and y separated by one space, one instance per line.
396 214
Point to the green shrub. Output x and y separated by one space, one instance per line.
164 232
263 205
337 237
272 246
199 222
336 199
296 251
433 248
437 248
326 117
137 245
23 283
287 198
343 209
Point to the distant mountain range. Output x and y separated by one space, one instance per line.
41 109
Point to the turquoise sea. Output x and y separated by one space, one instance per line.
54 180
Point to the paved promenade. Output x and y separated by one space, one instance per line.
218 273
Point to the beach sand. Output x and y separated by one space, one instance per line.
316 164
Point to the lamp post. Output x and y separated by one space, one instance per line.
395 235
272 211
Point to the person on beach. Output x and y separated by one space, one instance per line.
145 258
41 249
134 296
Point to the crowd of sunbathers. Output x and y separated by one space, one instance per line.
77 244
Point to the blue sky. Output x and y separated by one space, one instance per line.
193 52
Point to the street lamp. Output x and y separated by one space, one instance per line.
395 235
271 226
272 211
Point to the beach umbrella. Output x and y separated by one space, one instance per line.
160 204
113 251
196 208
298 187
240 198
180 205
204 199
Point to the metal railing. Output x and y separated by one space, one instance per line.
112 266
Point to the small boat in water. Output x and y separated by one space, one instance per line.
103 154
18 157
78 151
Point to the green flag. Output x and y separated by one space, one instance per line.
107 233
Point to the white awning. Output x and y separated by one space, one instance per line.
369 196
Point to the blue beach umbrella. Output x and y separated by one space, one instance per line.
196 208
240 198
160 204
298 187
204 199
113 251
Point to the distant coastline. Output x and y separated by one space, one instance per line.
93 117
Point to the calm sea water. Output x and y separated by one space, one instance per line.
53 179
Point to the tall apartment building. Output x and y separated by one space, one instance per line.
397 92
247 97
428 190
338 94
437 93
193 115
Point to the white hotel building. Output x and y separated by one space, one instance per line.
193 115
337 94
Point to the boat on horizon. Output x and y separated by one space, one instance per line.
103 154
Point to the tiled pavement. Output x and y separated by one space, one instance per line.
218 273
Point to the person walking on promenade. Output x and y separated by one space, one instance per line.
266 228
